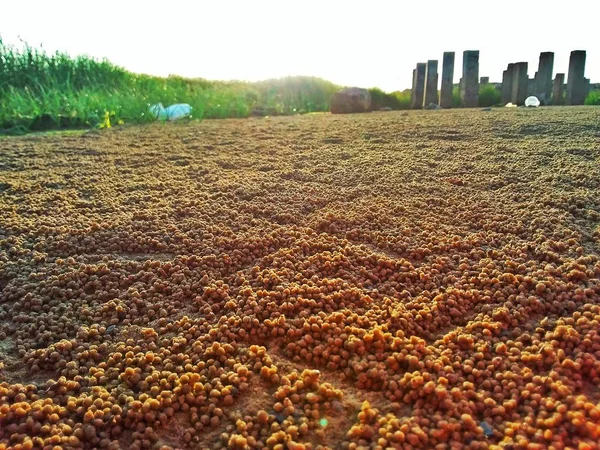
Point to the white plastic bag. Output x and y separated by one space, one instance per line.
532 102
173 112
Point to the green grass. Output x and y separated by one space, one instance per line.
456 100
52 91
395 100
593 98
489 95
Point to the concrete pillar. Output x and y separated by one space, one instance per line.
520 84
531 86
504 83
543 77
431 82
418 86
469 89
558 89
447 80
576 85
507 82
484 80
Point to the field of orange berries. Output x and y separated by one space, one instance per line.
393 280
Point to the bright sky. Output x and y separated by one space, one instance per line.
367 43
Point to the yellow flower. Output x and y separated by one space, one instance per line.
106 123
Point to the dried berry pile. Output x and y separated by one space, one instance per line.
398 280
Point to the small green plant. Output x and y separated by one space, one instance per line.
403 98
394 100
489 95
593 98
456 99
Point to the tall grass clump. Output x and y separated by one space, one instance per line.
593 98
35 84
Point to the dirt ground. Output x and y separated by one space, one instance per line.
423 279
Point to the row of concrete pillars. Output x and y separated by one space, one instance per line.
516 85
425 81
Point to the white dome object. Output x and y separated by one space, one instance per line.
178 111
532 102
173 112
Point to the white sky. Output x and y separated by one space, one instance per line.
362 43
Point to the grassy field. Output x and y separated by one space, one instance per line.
40 91
422 279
